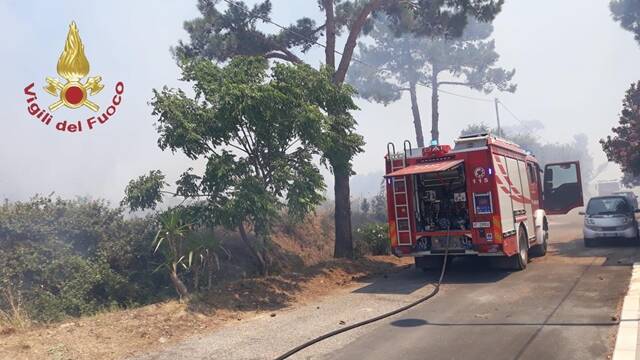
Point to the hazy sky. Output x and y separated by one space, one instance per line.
573 65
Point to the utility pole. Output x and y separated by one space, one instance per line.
498 116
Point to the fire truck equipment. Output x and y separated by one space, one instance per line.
488 191
430 216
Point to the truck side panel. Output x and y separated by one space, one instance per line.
507 223
526 198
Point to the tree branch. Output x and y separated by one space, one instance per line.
283 55
291 145
292 56
454 83
182 196
349 46
238 148
320 28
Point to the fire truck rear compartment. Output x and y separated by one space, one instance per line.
442 201
441 206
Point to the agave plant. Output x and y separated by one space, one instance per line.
170 240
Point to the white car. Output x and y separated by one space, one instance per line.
608 217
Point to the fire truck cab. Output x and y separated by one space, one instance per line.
485 196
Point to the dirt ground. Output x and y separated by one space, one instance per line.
120 334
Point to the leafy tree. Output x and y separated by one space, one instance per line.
627 13
623 147
219 36
146 191
257 132
475 129
379 205
365 206
401 63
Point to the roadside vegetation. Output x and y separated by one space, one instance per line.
62 259
81 279
623 147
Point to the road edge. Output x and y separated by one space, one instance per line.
627 339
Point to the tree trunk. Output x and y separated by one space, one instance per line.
417 122
329 50
344 240
265 256
262 265
435 134
178 285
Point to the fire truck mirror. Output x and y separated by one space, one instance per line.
562 188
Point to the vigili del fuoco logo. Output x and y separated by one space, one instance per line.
72 92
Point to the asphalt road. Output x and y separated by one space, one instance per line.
564 306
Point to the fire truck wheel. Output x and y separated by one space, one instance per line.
540 250
428 263
519 261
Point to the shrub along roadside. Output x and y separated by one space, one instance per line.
372 239
61 258
74 257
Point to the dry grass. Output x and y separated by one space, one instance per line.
307 271
15 317
121 334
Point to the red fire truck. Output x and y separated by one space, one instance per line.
485 197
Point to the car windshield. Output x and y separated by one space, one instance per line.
608 205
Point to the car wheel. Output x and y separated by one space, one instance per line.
589 243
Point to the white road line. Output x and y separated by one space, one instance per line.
627 339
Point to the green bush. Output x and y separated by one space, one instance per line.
76 257
372 239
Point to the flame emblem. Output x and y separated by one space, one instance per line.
73 66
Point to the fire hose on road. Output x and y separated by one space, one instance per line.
433 293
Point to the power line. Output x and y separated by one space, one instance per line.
514 116
353 57
282 27
460 95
